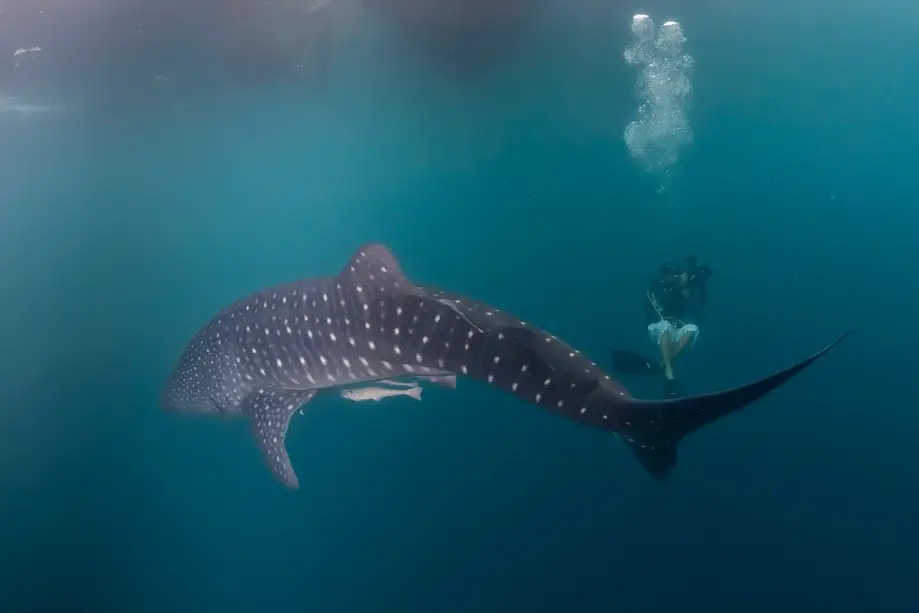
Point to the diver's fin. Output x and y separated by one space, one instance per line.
653 429
671 388
628 363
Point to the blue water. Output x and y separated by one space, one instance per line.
131 218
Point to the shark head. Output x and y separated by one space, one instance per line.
190 389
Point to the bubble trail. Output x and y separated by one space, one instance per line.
660 129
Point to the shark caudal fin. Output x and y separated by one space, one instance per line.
653 429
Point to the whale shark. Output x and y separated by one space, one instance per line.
268 354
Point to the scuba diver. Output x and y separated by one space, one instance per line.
672 300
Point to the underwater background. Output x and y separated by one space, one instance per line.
134 207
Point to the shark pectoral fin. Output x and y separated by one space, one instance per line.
269 413
654 428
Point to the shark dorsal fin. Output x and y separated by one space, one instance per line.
374 266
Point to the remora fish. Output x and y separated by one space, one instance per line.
359 394
270 353
443 380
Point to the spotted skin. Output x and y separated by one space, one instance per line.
269 354
551 354
270 412
651 429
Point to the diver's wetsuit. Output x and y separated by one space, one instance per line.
672 299
673 302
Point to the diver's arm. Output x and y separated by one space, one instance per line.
650 293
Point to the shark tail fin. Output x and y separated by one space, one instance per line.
414 392
653 429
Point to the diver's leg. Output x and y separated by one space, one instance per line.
661 333
666 345
685 337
